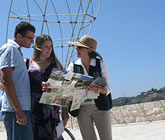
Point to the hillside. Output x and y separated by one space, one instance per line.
151 95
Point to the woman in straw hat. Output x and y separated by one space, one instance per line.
93 111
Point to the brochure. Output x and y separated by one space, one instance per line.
68 86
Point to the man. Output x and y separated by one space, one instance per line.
14 77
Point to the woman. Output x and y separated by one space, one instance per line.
44 117
93 111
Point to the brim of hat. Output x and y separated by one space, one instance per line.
77 44
82 45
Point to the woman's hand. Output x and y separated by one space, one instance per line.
93 88
97 88
45 85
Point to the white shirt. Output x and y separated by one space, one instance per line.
104 71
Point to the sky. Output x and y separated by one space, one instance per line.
130 36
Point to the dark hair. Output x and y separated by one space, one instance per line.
40 39
23 27
92 55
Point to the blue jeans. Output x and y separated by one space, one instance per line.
15 131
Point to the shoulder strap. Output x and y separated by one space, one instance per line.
98 66
95 71
27 63
55 65
78 68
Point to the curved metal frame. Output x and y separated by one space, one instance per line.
43 15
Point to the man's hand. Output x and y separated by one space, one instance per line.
21 118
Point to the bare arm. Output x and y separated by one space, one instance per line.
65 116
6 79
1 86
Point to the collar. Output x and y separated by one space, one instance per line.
92 63
14 44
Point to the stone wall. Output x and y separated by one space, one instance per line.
150 111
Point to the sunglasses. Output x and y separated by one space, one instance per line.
30 38
79 47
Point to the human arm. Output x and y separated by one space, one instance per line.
1 86
105 75
65 115
6 79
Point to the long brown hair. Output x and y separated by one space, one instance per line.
40 39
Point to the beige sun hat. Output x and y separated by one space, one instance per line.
86 41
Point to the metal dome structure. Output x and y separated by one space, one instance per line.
63 20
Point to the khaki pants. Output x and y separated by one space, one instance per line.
90 114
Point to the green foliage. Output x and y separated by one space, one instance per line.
150 95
